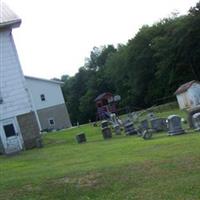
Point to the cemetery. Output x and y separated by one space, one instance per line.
150 153
96 162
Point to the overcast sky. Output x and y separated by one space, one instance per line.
55 37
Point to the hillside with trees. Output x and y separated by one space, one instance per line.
144 72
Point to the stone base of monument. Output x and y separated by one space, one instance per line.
106 132
80 138
176 132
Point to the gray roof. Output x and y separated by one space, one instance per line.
7 17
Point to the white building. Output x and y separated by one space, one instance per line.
49 103
18 123
188 95
27 105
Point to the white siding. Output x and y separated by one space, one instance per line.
16 99
194 94
181 100
52 92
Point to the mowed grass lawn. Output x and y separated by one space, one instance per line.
124 167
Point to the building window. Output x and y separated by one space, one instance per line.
51 122
42 97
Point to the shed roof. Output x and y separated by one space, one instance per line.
101 96
7 17
185 87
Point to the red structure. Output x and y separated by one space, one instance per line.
105 105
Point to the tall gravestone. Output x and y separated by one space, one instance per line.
174 125
115 124
106 131
129 128
144 124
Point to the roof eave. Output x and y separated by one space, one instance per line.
11 24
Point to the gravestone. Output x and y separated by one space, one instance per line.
115 124
174 125
147 134
129 128
105 129
144 124
106 132
196 121
159 124
80 138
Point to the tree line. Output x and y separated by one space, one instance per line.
149 68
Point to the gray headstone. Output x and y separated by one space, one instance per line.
106 132
80 138
159 124
174 125
129 128
196 121
144 124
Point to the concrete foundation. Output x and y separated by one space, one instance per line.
58 113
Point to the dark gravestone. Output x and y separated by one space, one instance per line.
105 129
147 134
159 124
80 138
129 128
174 125
196 121
106 132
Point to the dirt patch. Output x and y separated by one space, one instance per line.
88 180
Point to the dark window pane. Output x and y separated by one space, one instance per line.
42 96
51 121
9 130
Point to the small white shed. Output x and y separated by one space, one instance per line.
188 95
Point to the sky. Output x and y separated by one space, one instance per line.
55 37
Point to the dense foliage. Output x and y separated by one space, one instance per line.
146 70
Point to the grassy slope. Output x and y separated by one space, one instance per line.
121 168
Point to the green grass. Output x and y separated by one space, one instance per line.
165 167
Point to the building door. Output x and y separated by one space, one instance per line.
10 136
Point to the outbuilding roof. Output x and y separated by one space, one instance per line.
185 87
7 17
101 96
